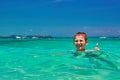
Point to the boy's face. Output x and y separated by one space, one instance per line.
80 42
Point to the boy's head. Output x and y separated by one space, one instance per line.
80 41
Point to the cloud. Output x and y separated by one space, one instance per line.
58 1
51 2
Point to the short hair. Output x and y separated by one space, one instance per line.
81 33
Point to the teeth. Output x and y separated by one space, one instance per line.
80 45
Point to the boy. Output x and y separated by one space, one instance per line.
80 41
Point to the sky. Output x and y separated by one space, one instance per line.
60 18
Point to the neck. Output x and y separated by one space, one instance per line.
80 49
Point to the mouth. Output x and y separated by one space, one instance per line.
80 45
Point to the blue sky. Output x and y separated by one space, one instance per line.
60 18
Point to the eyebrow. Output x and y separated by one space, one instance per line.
77 40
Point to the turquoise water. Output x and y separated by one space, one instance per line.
52 59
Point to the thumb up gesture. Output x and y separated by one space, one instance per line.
96 48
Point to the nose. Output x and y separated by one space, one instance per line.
79 42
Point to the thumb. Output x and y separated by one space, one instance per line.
96 44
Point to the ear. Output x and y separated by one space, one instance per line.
87 42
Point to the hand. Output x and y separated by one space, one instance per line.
96 48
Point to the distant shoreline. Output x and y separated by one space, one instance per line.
48 36
28 36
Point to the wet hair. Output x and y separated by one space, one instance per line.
82 33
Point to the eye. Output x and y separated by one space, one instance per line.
76 41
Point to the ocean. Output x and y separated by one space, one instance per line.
53 59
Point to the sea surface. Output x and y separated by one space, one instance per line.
53 59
